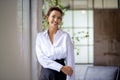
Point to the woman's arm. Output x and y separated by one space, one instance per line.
44 60
70 58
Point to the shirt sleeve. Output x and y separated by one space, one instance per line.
45 61
70 58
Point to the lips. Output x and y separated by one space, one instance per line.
55 23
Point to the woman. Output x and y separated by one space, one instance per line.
53 48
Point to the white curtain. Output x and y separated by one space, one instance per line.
29 16
36 17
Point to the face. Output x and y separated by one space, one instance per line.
54 19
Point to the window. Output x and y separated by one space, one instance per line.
78 23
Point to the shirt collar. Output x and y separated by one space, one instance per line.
46 32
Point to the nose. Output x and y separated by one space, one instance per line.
56 19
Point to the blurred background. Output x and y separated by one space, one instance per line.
21 20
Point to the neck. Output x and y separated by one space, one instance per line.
52 31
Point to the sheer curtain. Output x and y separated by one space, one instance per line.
29 16
23 30
36 21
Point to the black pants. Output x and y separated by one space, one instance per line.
49 74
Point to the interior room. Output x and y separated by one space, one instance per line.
93 25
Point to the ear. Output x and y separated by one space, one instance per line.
46 18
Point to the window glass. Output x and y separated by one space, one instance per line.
78 23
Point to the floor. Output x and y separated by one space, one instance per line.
80 71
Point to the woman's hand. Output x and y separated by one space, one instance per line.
67 70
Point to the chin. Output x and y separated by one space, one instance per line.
56 26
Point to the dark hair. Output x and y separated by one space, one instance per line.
54 8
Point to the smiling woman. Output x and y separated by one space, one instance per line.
46 5
53 47
54 18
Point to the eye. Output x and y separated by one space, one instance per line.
59 18
53 16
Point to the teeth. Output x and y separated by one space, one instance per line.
55 23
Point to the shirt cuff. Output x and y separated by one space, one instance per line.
58 67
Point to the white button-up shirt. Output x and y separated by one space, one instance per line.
61 48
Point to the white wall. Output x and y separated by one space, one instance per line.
14 63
